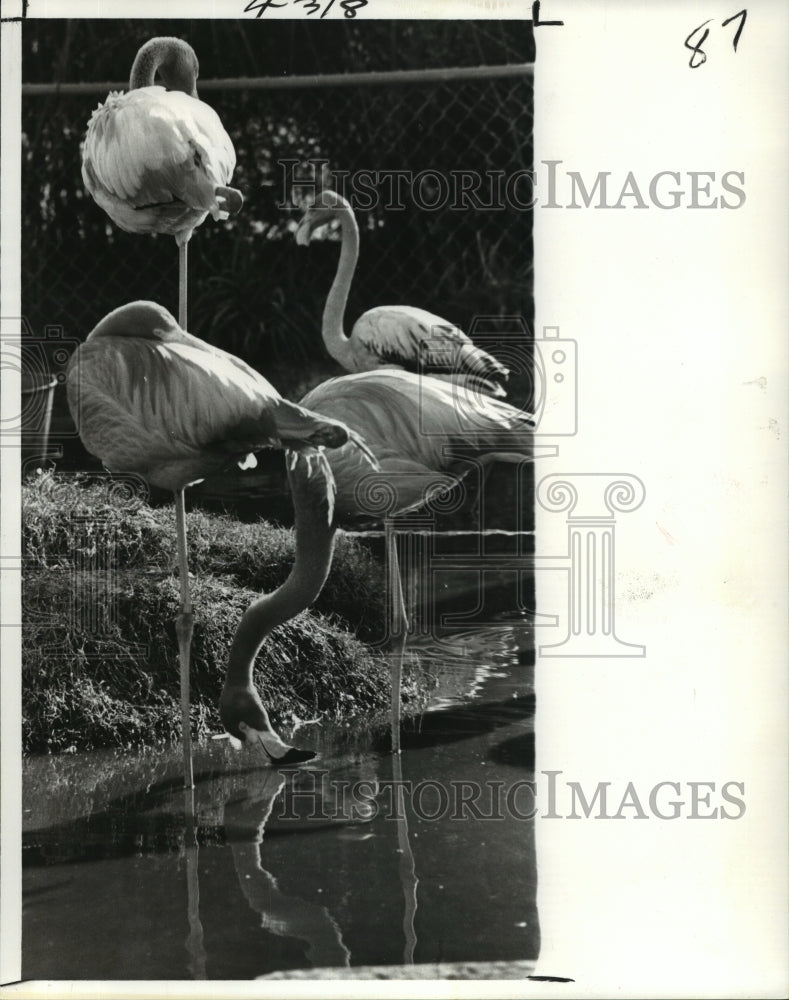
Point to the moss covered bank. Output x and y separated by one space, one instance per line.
99 598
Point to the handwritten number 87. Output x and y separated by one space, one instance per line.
699 56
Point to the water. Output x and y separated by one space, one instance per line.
362 858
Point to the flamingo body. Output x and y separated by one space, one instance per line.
422 431
150 398
158 161
147 397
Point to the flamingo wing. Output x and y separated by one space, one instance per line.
150 147
417 340
169 412
295 428
149 398
423 431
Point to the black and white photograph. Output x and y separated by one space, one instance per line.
394 404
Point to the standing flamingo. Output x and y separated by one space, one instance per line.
158 160
149 398
425 435
391 336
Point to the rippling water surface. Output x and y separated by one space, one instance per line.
360 859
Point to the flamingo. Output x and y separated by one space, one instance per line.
158 160
392 336
149 398
424 433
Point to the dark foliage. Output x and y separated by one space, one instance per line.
253 291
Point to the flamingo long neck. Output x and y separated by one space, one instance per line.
143 71
337 344
170 57
314 548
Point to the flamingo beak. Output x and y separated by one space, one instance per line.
234 743
250 738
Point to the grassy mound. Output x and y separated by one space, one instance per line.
100 665
65 519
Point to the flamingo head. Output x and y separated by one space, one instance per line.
175 61
323 208
247 725
143 320
242 713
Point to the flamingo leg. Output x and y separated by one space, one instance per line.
184 624
399 625
195 945
407 865
182 282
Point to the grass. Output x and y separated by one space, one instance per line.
66 519
99 648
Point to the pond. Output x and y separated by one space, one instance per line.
359 858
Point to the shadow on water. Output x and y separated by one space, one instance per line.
364 858
142 821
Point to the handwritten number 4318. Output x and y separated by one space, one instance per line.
310 6
699 56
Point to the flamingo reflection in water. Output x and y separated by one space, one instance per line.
280 913
287 915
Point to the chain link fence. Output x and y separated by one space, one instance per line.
439 228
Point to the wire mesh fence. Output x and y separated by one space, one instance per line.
429 165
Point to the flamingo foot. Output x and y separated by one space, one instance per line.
274 748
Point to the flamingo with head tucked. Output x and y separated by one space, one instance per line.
425 434
392 336
159 160
149 398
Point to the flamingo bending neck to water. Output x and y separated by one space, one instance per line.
158 160
149 398
426 434
392 336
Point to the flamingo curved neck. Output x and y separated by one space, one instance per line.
164 55
314 548
337 344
